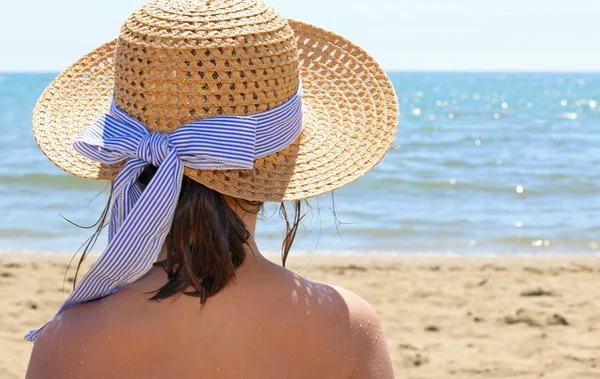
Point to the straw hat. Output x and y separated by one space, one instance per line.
178 61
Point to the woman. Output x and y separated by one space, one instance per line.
216 107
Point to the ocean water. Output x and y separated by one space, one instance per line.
483 163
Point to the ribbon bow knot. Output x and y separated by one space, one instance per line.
154 148
140 221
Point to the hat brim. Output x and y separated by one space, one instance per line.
350 121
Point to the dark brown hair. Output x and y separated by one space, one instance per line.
207 240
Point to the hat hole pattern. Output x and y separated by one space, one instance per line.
238 70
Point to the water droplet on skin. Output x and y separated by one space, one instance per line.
109 337
218 369
81 362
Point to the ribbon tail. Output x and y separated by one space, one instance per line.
139 240
126 193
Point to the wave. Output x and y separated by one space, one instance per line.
26 233
508 245
505 185
59 182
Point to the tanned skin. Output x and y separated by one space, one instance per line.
267 323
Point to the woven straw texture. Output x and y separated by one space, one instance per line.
177 61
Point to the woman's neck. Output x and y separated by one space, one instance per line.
253 255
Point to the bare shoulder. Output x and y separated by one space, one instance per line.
78 343
366 339
359 305
342 318
362 317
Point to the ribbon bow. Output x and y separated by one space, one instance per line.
140 221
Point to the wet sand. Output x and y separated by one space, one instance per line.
443 316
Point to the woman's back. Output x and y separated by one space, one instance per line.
268 323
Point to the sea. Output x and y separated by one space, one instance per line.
483 163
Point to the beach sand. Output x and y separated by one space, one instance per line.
443 316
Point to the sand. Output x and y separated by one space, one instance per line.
444 317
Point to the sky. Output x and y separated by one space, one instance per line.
403 35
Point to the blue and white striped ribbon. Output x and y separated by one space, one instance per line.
140 221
